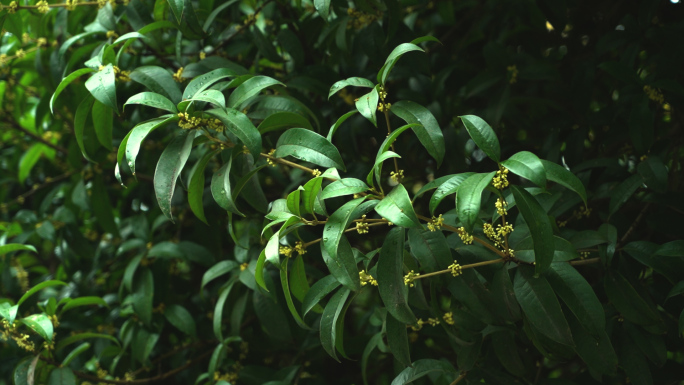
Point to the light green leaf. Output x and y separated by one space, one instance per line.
157 80
393 58
346 186
483 136
310 193
152 99
179 317
80 119
139 133
323 8
540 228
368 104
469 198
622 192
8 248
397 208
384 148
196 186
528 166
239 125
447 187
221 190
29 159
249 89
37 288
329 321
355 82
65 82
317 292
41 324
310 147
83 301
205 81
218 309
212 96
559 174
393 291
177 7
169 166
102 85
288 296
428 132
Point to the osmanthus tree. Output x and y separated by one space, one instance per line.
245 192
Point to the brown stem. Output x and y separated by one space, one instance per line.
585 261
634 225
469 266
389 132
462 376
238 31
42 186
287 162
14 125
476 239
346 231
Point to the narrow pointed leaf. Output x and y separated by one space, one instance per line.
239 125
196 187
428 132
138 134
559 174
65 82
102 85
329 321
393 291
540 228
397 340
469 198
152 99
483 136
249 89
346 186
528 166
448 187
157 80
397 208
355 82
368 104
169 166
308 146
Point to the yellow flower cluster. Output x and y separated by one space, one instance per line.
362 227
584 254
188 122
497 236
299 248
43 6
358 19
465 237
316 173
448 318
367 278
20 54
10 332
269 161
12 7
582 212
397 176
382 93
501 206
122 76
288 251
429 321
382 107
178 76
500 180
512 74
244 266
456 269
654 94
436 223
71 4
410 277
112 34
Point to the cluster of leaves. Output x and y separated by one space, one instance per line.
561 263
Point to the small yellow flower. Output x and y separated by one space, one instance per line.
178 76
41 42
299 247
456 269
362 227
501 206
43 6
397 176
367 278
448 318
20 54
436 223
410 277
12 7
270 161
71 5
316 172
202 55
244 266
286 251
112 34
465 237
500 180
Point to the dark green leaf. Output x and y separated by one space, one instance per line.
62 376
397 208
540 228
310 193
508 352
655 174
483 136
196 186
318 291
205 81
393 291
80 120
627 301
282 120
596 351
622 192
341 264
355 82
308 146
428 132
430 249
152 99
83 301
469 198
393 58
346 186
284 281
138 134
218 309
39 287
65 82
221 190
540 306
338 123
157 80
179 317
219 269
422 368
177 8
239 125
169 166
368 104
448 187
559 174
528 166
397 339
249 89
103 117
102 85
329 321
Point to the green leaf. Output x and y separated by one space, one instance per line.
80 119
508 352
179 317
422 368
75 353
528 166
597 352
41 324
317 292
282 120
139 133
239 125
294 201
66 341
62 376
634 363
169 166
219 269
259 271
368 104
541 306
342 264
430 249
288 296
393 58
377 166
29 159
177 8
428 132
397 339
8 248
424 39
323 8
579 296
102 85
65 82
83 301
218 309
102 206
152 99
298 282
397 208
215 12
651 345
38 288
559 174
157 80
346 186
540 228
196 186
355 82
310 147
655 174
627 301
103 121
310 193
212 96
370 346
338 123
393 291
563 250
221 190
205 81
448 187
249 89
329 321
483 136
143 295
671 249
384 148
469 198
622 192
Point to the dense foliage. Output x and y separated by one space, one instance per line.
333 192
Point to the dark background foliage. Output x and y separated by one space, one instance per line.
593 86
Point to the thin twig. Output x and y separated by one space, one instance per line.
634 225
462 376
16 126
